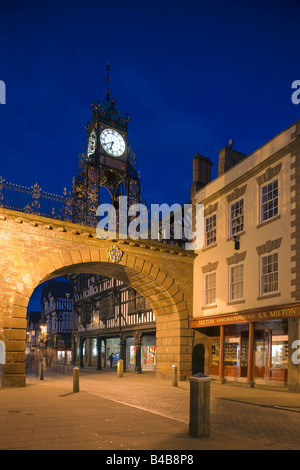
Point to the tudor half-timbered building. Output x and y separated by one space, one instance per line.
57 314
111 322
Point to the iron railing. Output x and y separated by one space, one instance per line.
33 200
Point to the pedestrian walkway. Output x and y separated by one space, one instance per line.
141 412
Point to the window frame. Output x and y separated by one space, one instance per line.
261 284
233 266
211 230
231 234
261 203
206 275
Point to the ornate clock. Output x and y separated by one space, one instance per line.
112 142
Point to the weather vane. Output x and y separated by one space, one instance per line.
107 68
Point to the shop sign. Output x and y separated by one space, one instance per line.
267 314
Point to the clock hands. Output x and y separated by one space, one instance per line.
111 144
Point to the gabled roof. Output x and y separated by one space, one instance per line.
57 289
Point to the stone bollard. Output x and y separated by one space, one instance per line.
199 406
174 376
120 368
76 380
41 370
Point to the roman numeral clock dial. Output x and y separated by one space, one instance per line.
112 142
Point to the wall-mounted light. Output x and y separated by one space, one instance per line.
236 240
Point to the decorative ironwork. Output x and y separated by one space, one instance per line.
34 200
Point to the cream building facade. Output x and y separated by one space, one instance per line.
246 309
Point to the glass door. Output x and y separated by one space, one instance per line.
259 357
262 352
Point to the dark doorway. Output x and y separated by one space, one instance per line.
198 359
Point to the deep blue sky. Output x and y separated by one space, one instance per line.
191 75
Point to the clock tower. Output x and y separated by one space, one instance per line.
107 169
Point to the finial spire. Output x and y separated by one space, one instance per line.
107 68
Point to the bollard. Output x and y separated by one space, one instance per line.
199 406
75 380
174 376
120 368
41 370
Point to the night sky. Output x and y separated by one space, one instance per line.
191 75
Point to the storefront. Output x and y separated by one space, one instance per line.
251 346
148 353
130 354
112 352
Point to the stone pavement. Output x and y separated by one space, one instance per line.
141 412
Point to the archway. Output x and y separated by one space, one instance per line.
35 249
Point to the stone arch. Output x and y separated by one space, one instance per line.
38 251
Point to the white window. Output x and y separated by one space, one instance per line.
210 230
67 321
236 217
210 289
236 286
269 201
269 274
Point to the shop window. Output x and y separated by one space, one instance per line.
61 356
232 352
215 351
132 355
94 348
149 355
244 352
280 352
260 353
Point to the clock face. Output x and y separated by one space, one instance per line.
112 142
92 144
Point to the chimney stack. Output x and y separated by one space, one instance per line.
228 158
201 172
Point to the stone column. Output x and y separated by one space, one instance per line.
174 341
13 323
294 357
99 353
74 349
81 360
90 352
123 351
138 353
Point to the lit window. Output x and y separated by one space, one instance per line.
210 289
236 290
210 230
269 274
269 201
237 217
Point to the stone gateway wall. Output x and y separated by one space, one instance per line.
34 249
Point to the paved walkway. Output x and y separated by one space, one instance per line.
141 412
